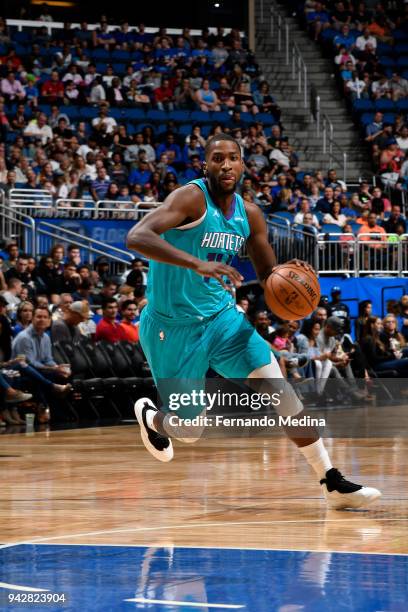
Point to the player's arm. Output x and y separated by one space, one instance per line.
180 207
260 251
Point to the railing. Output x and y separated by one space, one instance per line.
17 226
40 204
47 234
325 129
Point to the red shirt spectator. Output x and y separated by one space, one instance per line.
128 311
108 329
53 89
164 93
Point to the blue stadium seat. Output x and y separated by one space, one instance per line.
355 227
389 117
401 48
385 49
89 112
400 35
71 111
135 114
45 108
119 68
185 129
180 116
100 55
384 105
205 130
265 118
220 116
402 62
387 62
158 116
349 212
402 105
200 117
121 56
330 228
363 106
284 214
247 118
366 118
117 113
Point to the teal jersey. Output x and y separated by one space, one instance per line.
180 293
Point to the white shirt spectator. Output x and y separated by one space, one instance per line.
356 86
362 41
44 132
298 219
340 221
279 157
402 143
108 121
76 78
98 94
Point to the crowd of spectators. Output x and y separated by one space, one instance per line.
62 299
123 114
368 44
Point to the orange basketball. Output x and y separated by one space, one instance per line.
292 292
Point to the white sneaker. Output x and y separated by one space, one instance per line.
341 493
159 446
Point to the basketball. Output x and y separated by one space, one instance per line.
292 292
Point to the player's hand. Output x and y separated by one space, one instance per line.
219 270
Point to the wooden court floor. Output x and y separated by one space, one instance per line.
100 486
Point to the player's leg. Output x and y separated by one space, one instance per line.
242 353
178 363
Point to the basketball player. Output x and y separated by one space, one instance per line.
191 322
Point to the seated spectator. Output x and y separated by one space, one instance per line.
371 231
395 219
38 128
324 204
103 120
66 328
380 358
206 98
52 91
305 210
244 99
335 215
128 313
24 317
11 89
393 340
164 95
365 308
320 363
12 294
108 328
100 185
341 368
340 310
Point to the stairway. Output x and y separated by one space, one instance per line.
297 120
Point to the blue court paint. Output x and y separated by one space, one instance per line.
104 577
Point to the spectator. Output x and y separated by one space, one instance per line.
24 317
100 185
395 219
206 98
324 204
128 312
379 358
12 295
11 89
108 328
337 308
365 308
19 271
164 95
66 328
52 92
305 210
103 121
38 128
335 215
320 362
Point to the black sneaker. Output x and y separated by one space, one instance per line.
341 493
159 446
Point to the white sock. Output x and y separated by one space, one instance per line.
317 456
150 414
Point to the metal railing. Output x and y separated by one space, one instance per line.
325 129
42 205
20 227
47 234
